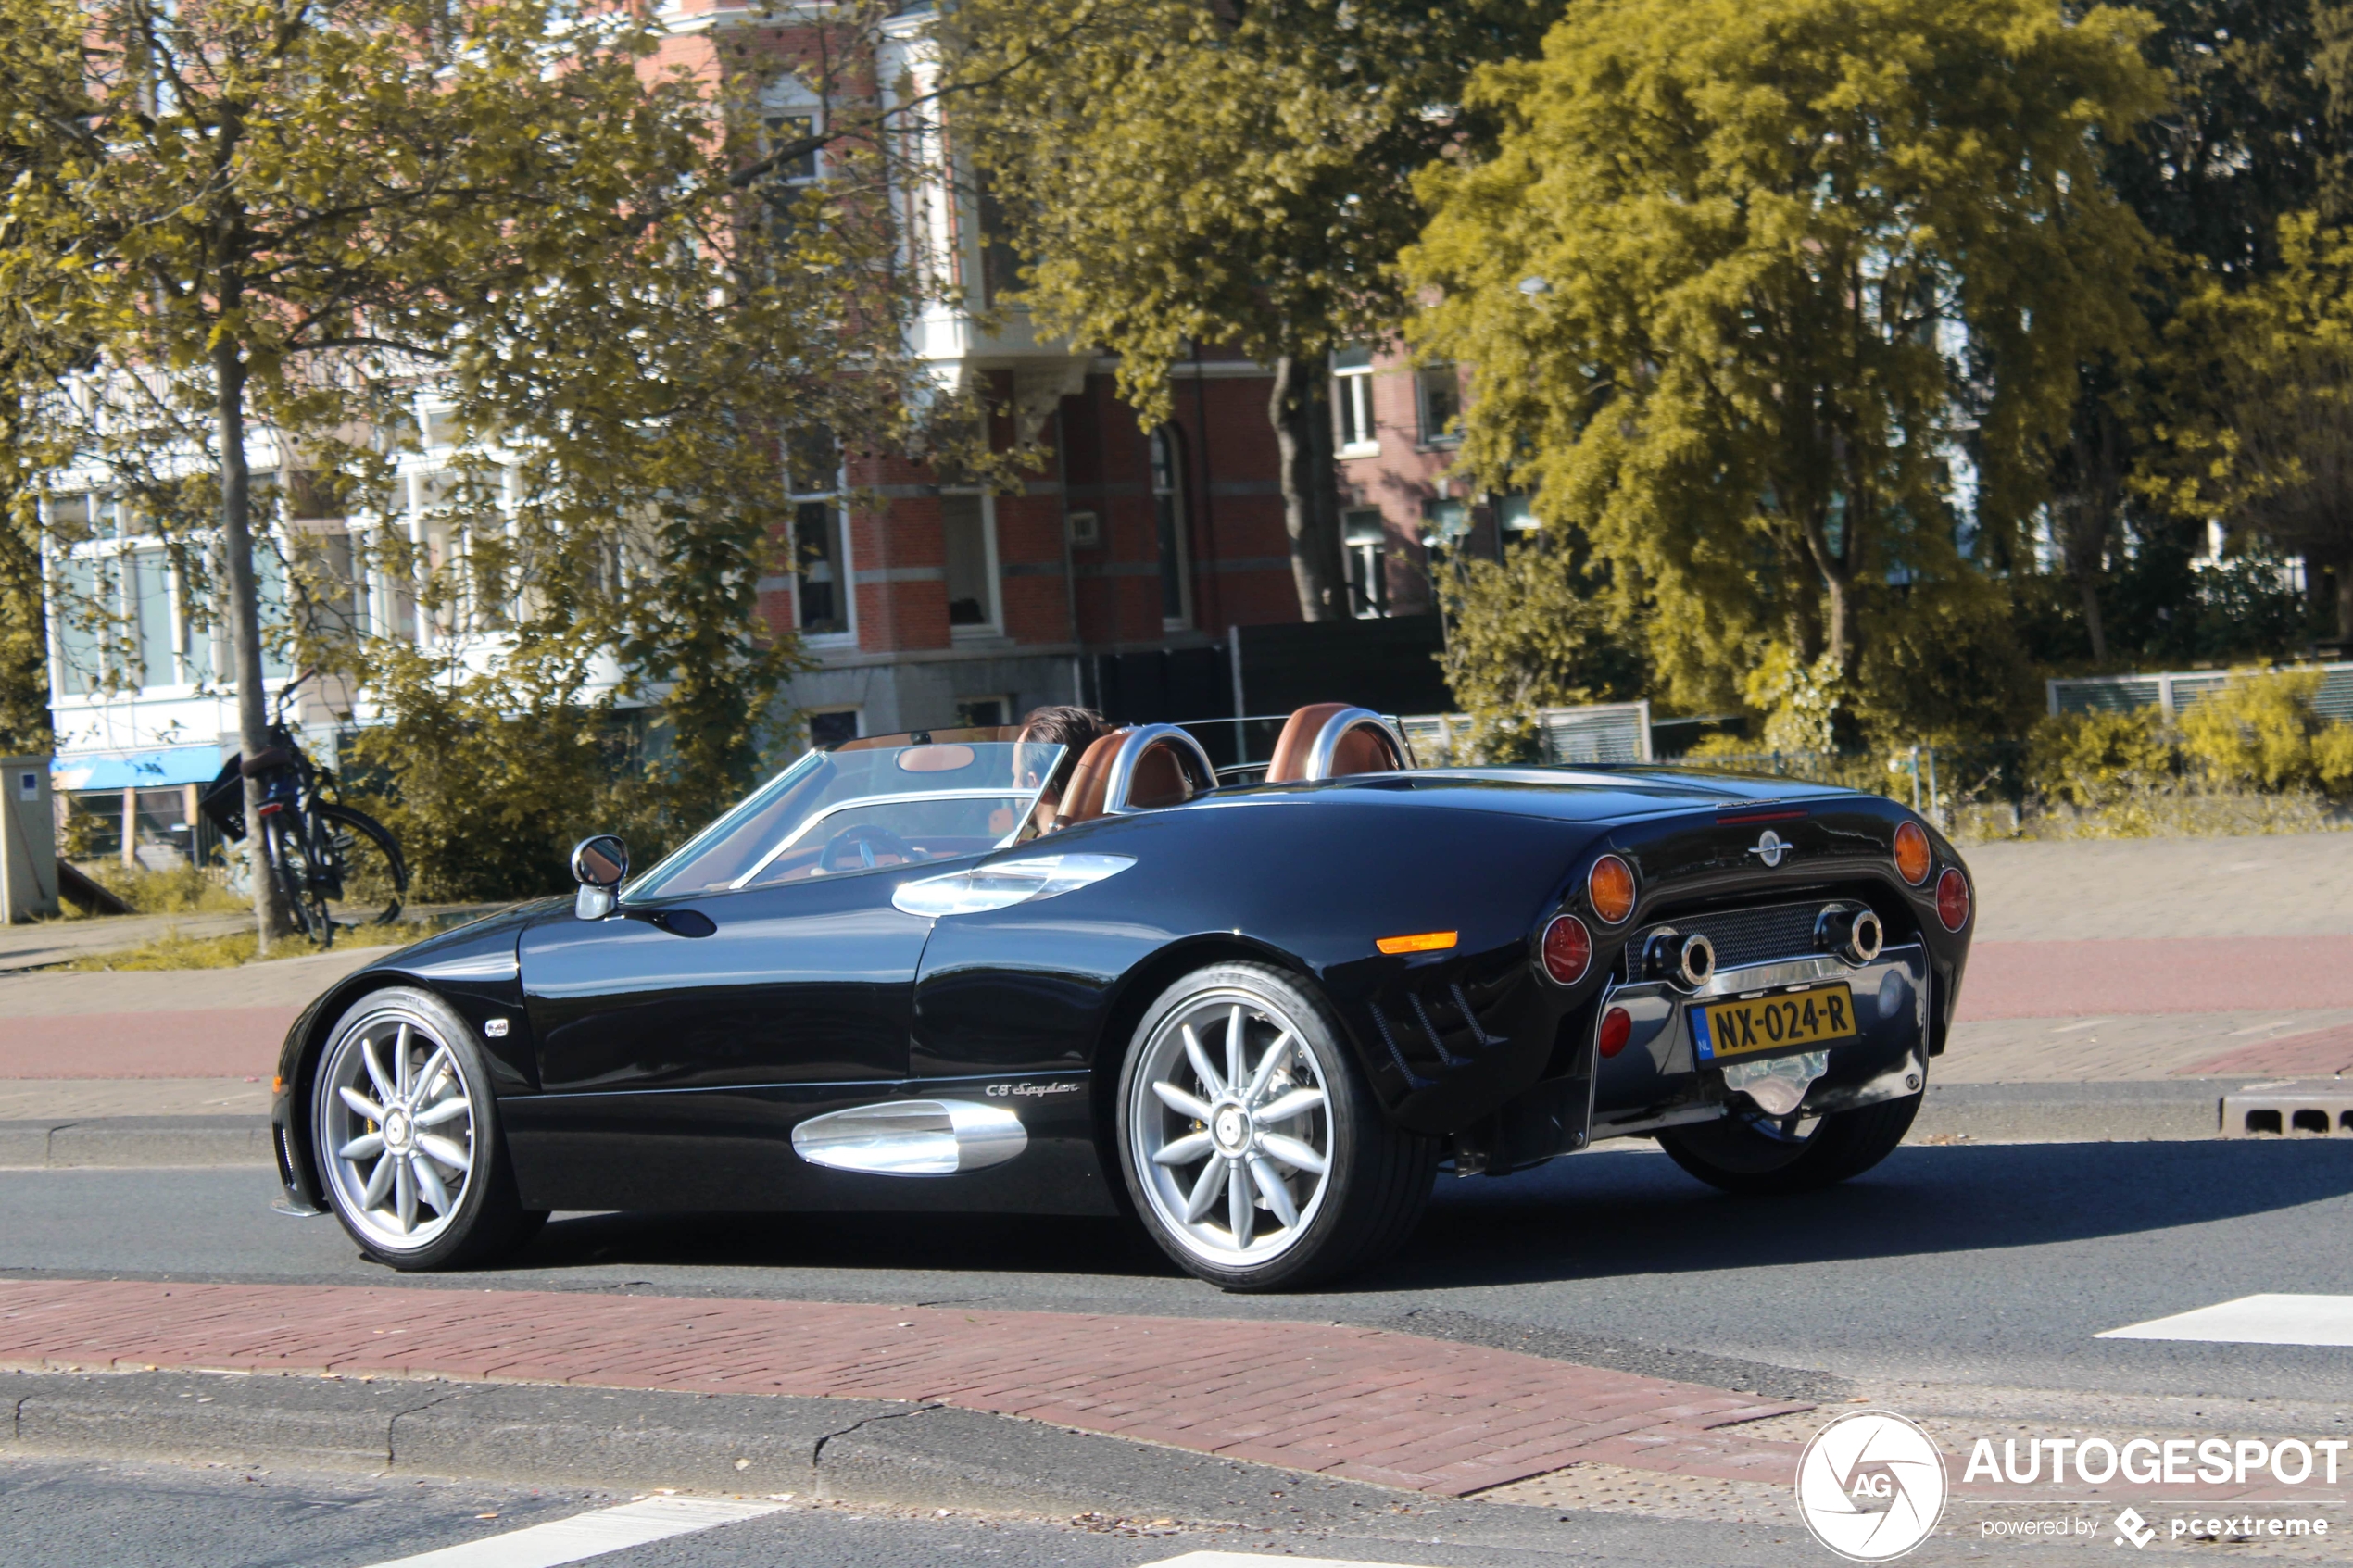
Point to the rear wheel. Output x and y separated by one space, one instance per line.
406 1135
1756 1153
290 865
1251 1142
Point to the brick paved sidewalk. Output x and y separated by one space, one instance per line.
1363 1404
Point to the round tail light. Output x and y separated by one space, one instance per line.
1610 887
1569 949
1911 853
1617 1027
1952 899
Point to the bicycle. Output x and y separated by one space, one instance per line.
338 867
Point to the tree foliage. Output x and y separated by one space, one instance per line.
280 221
1182 172
1756 289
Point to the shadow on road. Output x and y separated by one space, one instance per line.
1583 1218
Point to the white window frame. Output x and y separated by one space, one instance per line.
846 574
1433 433
1352 394
1371 558
994 607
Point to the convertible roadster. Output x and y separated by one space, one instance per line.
960 972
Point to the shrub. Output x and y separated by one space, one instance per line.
2259 732
2090 758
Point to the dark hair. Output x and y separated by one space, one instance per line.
1073 729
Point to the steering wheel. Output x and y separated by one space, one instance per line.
869 841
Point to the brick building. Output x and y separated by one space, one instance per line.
920 603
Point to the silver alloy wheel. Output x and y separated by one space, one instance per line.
396 1128
1231 1128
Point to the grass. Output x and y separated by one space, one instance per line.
171 950
188 890
236 948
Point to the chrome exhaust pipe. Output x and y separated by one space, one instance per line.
1689 960
1856 936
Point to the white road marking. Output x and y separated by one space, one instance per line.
2254 1320
1256 1560
2087 1023
590 1534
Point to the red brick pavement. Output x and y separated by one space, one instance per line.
2161 975
197 1043
2320 1054
1392 1409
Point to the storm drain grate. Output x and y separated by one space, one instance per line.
2289 1111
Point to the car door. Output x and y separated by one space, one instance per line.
679 1042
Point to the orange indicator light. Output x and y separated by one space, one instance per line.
1420 941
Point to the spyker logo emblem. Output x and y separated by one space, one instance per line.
1771 847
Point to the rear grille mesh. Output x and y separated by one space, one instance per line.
1741 936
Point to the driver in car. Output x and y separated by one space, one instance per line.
1073 729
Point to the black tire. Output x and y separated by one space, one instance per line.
1754 1155
367 881
290 867
484 1219
1361 1207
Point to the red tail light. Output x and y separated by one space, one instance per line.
1617 1027
270 807
1952 899
1569 949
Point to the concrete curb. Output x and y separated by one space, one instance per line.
70 1143
2125 1112
850 1450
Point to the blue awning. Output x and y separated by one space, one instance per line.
136 770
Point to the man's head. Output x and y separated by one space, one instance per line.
1073 729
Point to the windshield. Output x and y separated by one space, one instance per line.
889 800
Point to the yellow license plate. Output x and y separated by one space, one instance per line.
1766 1023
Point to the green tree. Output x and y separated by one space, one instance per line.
2260 432
1532 630
281 220
1746 281
1181 172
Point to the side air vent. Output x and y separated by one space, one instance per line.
911 1137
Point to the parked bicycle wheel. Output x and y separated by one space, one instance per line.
366 880
291 865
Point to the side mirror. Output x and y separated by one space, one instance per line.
599 865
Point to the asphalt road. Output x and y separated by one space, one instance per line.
1991 1265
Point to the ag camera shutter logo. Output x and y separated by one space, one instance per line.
1871 1486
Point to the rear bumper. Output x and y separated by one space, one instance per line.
1663 1079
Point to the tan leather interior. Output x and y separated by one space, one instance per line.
1365 751
1290 764
1089 782
1160 778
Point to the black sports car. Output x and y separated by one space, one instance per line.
958 972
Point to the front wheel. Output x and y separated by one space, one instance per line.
1251 1142
1757 1154
406 1135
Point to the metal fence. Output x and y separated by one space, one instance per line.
2176 691
1608 732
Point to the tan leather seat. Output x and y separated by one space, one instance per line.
1083 801
1365 748
1160 778
1290 764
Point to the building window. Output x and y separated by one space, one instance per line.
823 602
984 712
830 726
1440 391
820 536
969 559
790 178
1367 543
1168 520
1353 403
1444 522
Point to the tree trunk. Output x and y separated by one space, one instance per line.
1301 414
2089 584
270 913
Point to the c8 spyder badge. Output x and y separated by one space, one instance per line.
1871 1486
